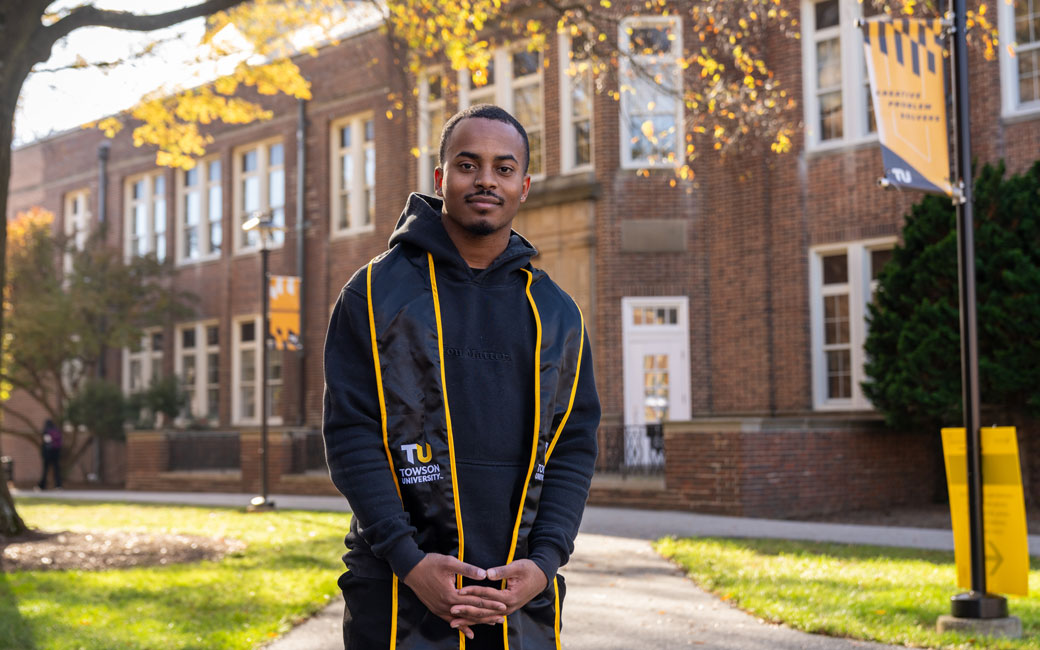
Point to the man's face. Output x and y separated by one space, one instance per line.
483 181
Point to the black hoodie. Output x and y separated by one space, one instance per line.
489 338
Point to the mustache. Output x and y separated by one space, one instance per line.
488 193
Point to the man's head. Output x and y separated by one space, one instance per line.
483 174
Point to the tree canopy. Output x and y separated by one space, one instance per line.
913 344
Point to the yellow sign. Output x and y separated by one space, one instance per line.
284 310
906 66
1003 510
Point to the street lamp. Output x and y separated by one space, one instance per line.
263 222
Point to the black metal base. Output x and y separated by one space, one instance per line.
978 605
260 504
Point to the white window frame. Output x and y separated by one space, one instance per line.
263 172
199 407
855 90
860 290
581 70
502 90
1010 104
628 96
151 200
204 189
238 346
429 133
149 359
77 223
360 187
675 335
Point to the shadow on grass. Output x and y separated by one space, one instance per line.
777 547
16 632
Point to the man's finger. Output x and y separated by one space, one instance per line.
484 593
478 614
489 620
503 572
480 601
467 570
462 624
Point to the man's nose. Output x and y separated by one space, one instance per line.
485 178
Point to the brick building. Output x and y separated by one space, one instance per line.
730 307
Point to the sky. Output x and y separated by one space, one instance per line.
52 102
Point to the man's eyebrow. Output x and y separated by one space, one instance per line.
470 154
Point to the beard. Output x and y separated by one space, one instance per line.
480 229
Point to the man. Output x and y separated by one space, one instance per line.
51 450
460 414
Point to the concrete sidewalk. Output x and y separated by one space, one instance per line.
621 594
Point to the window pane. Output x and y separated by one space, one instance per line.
835 320
1028 76
212 335
157 342
213 403
839 374
828 14
831 125
435 89
651 39
652 139
248 331
214 171
535 141
478 76
828 63
188 369
250 160
212 368
582 143
836 269
347 171
527 105
276 188
251 194
160 184
370 130
247 365
191 177
276 155
138 189
344 136
878 259
192 208
524 63
188 338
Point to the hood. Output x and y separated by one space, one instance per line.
420 226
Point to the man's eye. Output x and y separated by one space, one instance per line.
505 170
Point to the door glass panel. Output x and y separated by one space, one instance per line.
655 387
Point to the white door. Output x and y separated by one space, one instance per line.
656 372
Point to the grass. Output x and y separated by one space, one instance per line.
863 592
287 572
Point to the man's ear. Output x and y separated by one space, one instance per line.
438 178
527 188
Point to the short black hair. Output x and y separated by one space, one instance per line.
487 112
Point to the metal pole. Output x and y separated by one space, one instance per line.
975 604
301 222
264 291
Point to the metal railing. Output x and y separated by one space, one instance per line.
631 449
203 450
308 452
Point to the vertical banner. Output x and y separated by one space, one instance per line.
1003 510
906 69
284 311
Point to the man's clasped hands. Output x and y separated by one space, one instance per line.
433 581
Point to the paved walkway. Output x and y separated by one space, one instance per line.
621 595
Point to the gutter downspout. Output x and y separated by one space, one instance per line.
103 152
301 223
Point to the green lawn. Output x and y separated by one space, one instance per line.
864 592
287 572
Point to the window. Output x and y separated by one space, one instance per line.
1019 25
354 174
197 363
143 366
246 374
146 215
514 82
259 188
651 92
843 280
575 104
432 115
835 72
77 223
200 210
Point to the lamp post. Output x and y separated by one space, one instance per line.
263 223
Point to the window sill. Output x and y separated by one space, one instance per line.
841 146
1027 114
352 232
252 250
193 261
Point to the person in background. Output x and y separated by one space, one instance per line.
51 454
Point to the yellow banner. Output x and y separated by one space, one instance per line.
284 311
906 68
1003 510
